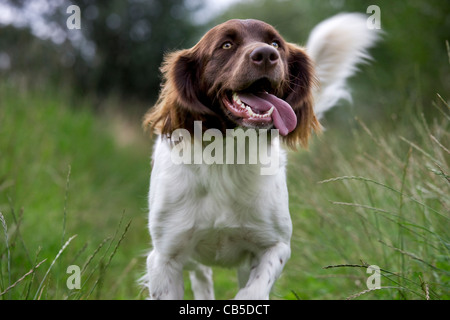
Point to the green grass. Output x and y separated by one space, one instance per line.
73 188
375 195
44 136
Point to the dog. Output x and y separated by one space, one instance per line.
241 75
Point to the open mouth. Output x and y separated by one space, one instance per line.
260 109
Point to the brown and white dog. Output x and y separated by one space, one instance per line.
242 76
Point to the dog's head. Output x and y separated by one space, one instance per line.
241 73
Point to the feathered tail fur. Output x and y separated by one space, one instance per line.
336 46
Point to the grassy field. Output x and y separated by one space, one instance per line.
64 172
375 195
73 188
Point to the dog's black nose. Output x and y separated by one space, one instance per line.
265 56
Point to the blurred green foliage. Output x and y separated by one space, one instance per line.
118 49
131 38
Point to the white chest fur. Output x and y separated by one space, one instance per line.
218 213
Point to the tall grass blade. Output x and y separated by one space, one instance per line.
106 265
356 295
91 257
18 234
426 154
39 290
448 50
384 186
23 277
400 209
5 230
28 290
385 274
439 144
413 256
65 205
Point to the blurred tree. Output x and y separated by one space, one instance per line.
118 50
130 38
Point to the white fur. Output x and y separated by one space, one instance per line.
231 215
336 46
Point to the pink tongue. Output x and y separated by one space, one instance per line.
283 116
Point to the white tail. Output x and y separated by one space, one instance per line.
336 46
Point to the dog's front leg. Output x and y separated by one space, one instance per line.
265 269
164 277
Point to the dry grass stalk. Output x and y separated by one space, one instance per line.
23 277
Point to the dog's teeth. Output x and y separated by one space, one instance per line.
249 110
257 115
236 99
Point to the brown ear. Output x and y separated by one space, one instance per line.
299 96
179 103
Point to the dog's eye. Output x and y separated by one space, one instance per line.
275 44
227 45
